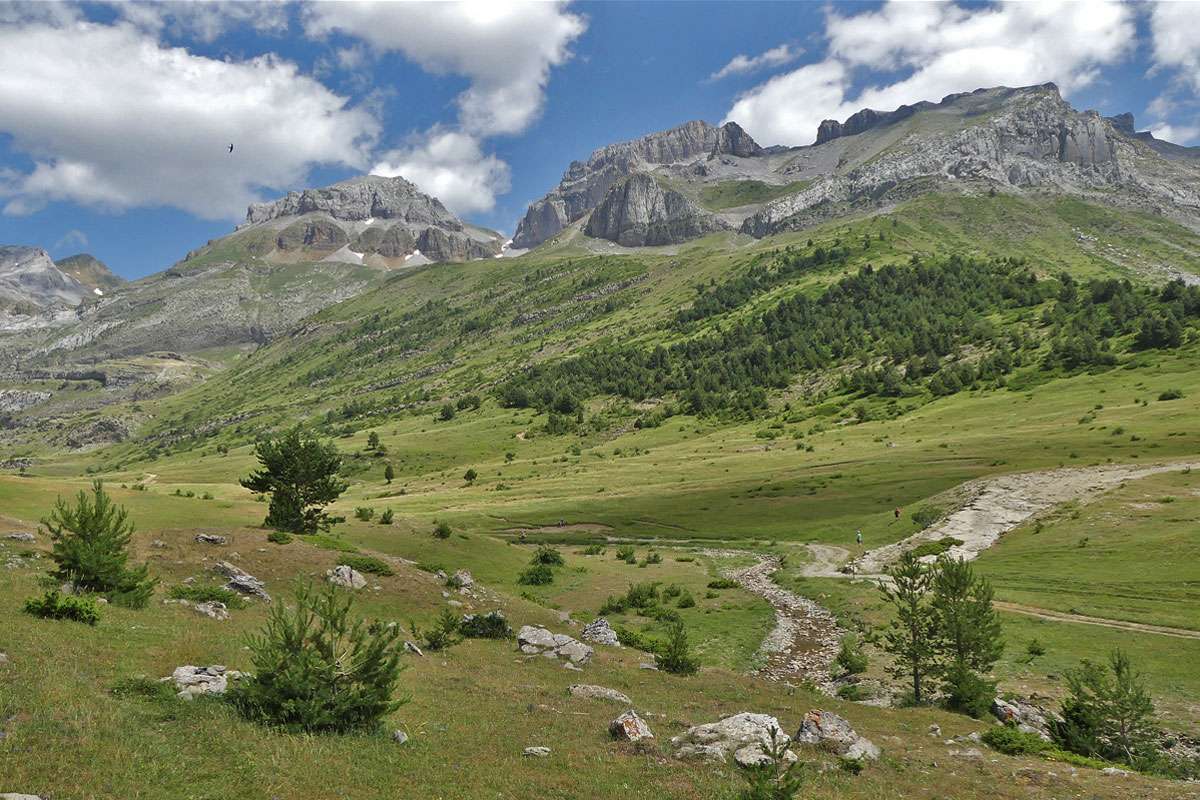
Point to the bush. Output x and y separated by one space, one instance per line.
364 513
1171 394
652 558
537 575
625 553
935 548
675 654
1035 648
594 550
54 605
851 657
775 779
91 549
470 475
926 516
443 634
316 669
968 693
547 555
207 594
447 413
491 625
279 537
673 590
1013 742
723 583
369 564
854 692
686 600
386 517
442 530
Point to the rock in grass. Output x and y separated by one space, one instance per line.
18 796
213 610
3 659
536 752
630 727
833 733
210 538
342 575
241 581
399 737
535 640
598 693
194 681
21 536
600 632
748 737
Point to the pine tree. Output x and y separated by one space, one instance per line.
372 441
91 548
1109 712
389 472
301 475
969 639
911 637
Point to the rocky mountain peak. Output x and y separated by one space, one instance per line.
91 272
361 198
639 212
30 281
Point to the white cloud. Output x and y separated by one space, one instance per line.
74 239
742 64
506 49
450 166
1176 37
1178 134
931 50
205 20
112 118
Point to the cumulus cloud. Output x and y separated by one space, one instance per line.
450 166
74 239
931 50
505 49
742 64
1175 39
205 20
112 118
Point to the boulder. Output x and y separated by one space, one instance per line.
195 681
18 796
833 733
3 659
210 538
536 752
342 575
241 581
21 536
399 737
600 632
748 737
1026 717
596 693
630 727
535 640
213 610
463 579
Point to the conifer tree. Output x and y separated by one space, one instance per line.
969 639
911 637
301 475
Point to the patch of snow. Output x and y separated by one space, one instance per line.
98 292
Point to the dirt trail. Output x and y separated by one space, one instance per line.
1061 616
827 561
997 505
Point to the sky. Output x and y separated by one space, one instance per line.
115 117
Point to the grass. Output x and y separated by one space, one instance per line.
731 194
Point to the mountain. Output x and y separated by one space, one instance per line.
91 272
30 283
1025 141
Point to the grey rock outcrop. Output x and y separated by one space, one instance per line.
30 282
639 212
585 184
534 640
748 737
537 751
241 581
346 577
630 727
598 693
210 538
598 631
1027 717
361 198
21 536
192 682
833 733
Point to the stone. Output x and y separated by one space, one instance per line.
345 576
463 580
3 659
21 536
747 737
399 737
833 733
969 753
598 693
158 544
412 648
536 752
1026 717
630 727
210 538
193 682
935 730
18 796
535 640
213 610
241 581
1115 772
600 632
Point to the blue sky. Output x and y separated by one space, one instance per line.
114 116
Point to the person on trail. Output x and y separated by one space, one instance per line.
858 536
897 512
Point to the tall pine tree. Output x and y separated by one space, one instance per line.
911 637
301 475
969 639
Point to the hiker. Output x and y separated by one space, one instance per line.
858 536
897 512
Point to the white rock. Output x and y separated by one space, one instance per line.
630 727
747 734
241 581
399 737
195 681
213 610
833 733
600 632
536 752
210 538
342 575
598 693
21 536
536 640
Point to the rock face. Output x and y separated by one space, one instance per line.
533 640
585 184
599 693
639 212
630 727
345 576
91 272
833 733
748 737
599 631
1027 717
241 581
193 682
361 198
30 282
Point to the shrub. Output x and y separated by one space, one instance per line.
369 564
686 600
491 625
625 553
536 575
386 517
54 605
316 669
364 513
854 692
547 555
1035 648
206 594
673 590
652 558
594 550
1013 742
470 475
926 516
279 537
968 692
91 548
851 657
1171 394
775 779
935 548
300 473
1109 713
443 634
447 413
723 583
442 530
675 654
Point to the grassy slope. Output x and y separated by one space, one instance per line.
687 480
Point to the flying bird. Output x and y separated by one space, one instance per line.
231 147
